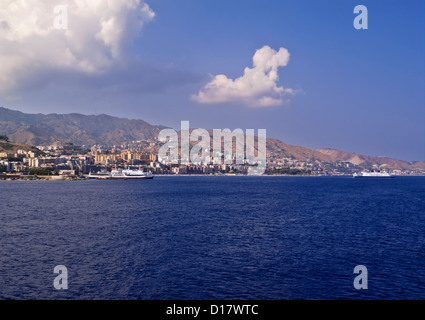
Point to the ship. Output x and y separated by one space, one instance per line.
372 174
102 174
121 174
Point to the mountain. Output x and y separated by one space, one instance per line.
40 129
280 149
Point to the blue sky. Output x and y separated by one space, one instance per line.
355 90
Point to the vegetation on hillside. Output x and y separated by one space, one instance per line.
288 171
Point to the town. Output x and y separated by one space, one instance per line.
69 161
72 161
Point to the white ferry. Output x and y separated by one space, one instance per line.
102 174
121 174
130 174
372 174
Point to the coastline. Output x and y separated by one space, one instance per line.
77 178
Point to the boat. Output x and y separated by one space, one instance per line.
121 174
130 174
372 174
102 174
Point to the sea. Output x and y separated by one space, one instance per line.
214 237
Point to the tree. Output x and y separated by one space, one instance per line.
4 137
289 171
40 171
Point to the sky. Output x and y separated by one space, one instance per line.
299 69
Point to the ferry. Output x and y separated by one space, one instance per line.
130 174
121 174
372 174
102 174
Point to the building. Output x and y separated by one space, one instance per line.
67 172
32 162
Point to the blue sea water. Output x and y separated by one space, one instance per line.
266 238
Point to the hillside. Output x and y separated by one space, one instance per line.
281 149
11 147
40 129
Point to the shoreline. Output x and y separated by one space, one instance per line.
75 178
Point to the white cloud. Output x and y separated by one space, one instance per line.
258 85
98 32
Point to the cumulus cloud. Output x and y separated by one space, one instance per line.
258 85
98 33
